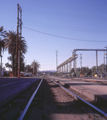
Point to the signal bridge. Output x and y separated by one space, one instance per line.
66 66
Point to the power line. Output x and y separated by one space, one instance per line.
62 36
71 28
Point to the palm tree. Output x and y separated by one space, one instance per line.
10 45
35 65
1 49
1 43
1 46
1 30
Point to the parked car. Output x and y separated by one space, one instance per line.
21 74
11 74
28 74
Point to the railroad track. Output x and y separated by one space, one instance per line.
51 102
29 102
16 108
89 104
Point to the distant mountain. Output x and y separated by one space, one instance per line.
47 71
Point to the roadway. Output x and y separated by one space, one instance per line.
10 87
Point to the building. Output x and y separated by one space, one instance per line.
2 71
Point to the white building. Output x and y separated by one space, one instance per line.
2 70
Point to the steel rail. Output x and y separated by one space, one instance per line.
94 107
29 102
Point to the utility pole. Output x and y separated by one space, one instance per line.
19 52
75 64
18 39
106 60
81 60
97 61
104 64
56 59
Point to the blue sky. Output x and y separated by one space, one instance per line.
75 19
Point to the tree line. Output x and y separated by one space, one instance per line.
85 71
8 43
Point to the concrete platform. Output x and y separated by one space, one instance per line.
95 80
93 90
